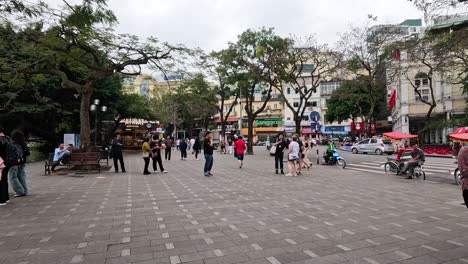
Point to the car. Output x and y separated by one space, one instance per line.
373 145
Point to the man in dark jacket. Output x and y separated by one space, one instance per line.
280 146
117 155
183 149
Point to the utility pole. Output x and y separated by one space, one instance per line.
240 106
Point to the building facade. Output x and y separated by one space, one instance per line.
409 113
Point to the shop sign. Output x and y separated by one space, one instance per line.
269 123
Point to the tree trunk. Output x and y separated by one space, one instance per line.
223 130
297 122
250 136
85 129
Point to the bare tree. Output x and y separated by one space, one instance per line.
309 64
363 49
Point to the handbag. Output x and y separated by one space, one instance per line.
273 149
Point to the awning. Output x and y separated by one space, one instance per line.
398 135
229 119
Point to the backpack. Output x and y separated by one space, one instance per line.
14 154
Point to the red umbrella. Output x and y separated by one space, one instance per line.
398 135
459 137
460 130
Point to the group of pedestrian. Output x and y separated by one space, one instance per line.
13 154
152 151
298 151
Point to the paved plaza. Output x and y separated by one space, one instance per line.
247 215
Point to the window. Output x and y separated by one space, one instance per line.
314 103
289 90
296 104
275 106
144 88
423 88
373 141
305 118
329 87
296 90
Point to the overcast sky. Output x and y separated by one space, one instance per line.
211 24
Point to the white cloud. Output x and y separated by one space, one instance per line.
211 24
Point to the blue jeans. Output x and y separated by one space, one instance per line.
208 163
18 179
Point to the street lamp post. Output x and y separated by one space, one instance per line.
94 108
240 110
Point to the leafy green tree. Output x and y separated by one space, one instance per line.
258 64
83 41
225 88
349 101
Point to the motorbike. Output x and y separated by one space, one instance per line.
335 159
393 166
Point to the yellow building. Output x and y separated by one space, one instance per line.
147 86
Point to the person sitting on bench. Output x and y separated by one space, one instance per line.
61 156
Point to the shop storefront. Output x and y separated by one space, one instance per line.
336 131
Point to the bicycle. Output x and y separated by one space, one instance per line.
395 167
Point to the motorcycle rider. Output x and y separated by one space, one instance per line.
329 153
417 155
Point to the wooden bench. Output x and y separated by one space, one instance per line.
76 159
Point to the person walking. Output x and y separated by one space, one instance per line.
156 147
17 172
301 155
208 151
169 145
229 142
280 146
183 149
178 144
240 150
117 154
305 162
4 141
462 159
196 147
146 149
293 157
192 144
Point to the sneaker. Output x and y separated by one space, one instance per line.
123 171
209 173
276 172
1 204
282 172
289 175
155 172
164 171
19 195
